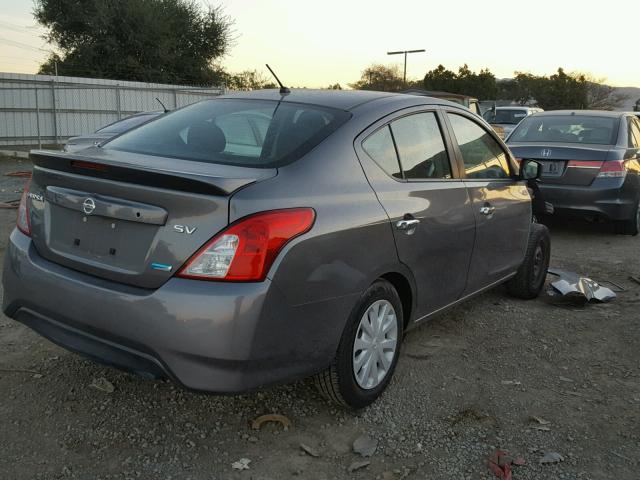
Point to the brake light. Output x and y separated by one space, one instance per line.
23 222
245 251
613 169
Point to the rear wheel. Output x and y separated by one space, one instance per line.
630 226
368 350
529 280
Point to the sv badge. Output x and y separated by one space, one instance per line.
184 229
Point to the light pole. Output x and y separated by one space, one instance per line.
404 77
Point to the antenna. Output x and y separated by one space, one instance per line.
163 107
283 90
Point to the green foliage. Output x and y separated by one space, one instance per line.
480 85
558 91
167 41
381 78
247 80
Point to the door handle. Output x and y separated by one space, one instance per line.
487 210
407 225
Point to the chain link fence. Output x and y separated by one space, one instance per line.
42 110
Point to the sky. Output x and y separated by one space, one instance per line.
315 44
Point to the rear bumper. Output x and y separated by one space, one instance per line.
211 336
608 199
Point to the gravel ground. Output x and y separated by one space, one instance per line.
467 383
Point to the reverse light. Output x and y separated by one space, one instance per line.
245 250
23 222
613 169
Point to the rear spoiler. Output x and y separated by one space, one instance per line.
141 175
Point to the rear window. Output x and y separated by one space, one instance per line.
251 133
567 129
126 124
506 117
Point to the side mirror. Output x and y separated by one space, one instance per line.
530 170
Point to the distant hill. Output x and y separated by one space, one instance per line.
633 95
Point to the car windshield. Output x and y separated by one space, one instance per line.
251 133
126 124
567 129
506 117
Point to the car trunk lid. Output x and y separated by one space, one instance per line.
126 217
565 164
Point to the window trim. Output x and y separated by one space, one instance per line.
513 170
632 121
414 110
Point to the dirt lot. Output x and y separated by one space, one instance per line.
467 383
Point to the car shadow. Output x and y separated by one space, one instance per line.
572 225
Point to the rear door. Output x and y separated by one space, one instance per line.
408 164
501 204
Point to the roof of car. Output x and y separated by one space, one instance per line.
341 99
436 94
590 113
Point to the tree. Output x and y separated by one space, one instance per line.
168 41
442 80
558 91
335 86
601 96
480 85
247 80
562 91
380 77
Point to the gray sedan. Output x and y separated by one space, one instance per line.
107 132
591 162
261 237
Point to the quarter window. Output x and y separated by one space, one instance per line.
482 155
379 146
420 147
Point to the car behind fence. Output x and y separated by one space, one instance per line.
37 110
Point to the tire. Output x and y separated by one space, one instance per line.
630 226
340 383
528 282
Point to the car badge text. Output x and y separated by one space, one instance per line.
36 196
184 229
546 152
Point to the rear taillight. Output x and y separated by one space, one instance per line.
23 222
245 251
613 169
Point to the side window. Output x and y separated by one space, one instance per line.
379 146
634 133
482 155
421 147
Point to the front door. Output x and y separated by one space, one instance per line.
427 204
501 203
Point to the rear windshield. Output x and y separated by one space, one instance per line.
126 123
567 129
506 117
251 133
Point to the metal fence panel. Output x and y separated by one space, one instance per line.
45 109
